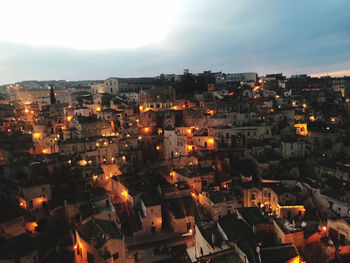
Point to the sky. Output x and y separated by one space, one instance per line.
83 39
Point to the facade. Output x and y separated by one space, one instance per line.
255 196
116 86
157 99
181 214
34 197
99 241
244 77
174 144
150 215
293 149
339 230
287 233
97 88
219 203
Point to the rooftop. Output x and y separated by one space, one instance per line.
278 253
181 207
252 216
99 231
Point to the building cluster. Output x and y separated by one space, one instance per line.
208 167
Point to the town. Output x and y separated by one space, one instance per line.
191 167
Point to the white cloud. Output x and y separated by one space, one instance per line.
82 24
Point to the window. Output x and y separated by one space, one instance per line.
253 197
116 255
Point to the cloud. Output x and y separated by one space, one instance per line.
231 36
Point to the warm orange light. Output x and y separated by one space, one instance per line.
211 140
141 108
69 118
36 135
272 110
159 131
189 147
324 228
26 110
107 177
40 200
124 193
75 246
301 129
190 231
45 151
193 195
260 81
211 112
21 204
183 106
189 131
83 162
171 173
98 108
9 130
158 148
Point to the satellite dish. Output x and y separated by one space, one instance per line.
303 224
258 249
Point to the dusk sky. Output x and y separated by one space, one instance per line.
76 40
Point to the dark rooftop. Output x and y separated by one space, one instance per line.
181 207
252 216
278 253
10 211
99 230
238 231
18 246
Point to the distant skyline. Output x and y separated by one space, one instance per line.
77 40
